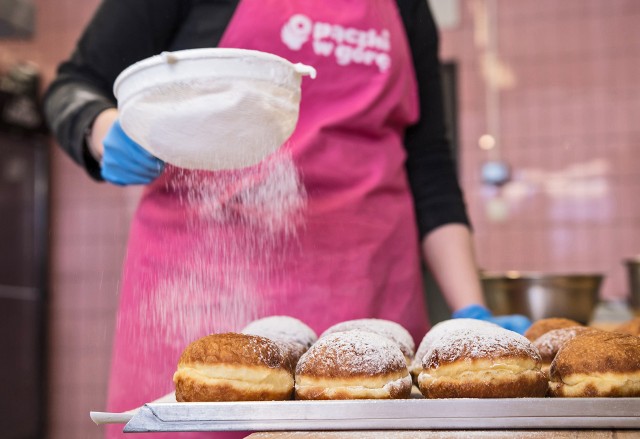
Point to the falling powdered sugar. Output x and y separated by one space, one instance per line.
269 198
240 226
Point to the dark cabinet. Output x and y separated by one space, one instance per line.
23 254
24 225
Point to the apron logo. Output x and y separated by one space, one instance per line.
348 44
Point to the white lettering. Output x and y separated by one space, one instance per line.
343 55
337 33
384 43
348 45
369 57
355 37
321 30
383 61
323 48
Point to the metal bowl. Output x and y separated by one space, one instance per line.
541 295
633 276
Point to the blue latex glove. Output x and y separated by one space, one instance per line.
125 162
516 322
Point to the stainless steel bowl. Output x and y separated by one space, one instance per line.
541 295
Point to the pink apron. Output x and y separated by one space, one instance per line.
197 265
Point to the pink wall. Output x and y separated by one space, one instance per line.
88 235
567 128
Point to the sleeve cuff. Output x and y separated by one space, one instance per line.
85 120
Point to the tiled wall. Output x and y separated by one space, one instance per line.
567 128
89 231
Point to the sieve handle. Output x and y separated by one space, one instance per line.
305 70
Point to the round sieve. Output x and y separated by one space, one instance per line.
212 108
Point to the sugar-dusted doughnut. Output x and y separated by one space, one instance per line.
438 331
387 328
233 367
542 326
632 327
353 364
549 343
294 336
489 362
597 364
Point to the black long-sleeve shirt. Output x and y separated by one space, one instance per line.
123 32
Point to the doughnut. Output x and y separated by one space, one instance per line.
233 367
435 333
550 342
489 362
294 336
386 328
632 327
354 364
597 364
539 327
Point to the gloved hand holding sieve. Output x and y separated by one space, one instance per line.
210 109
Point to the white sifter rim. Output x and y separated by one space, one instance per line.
203 54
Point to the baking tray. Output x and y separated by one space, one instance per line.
407 414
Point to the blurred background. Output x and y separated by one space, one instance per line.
543 101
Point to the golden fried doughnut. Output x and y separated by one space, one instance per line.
354 364
549 343
539 327
386 328
632 327
596 364
435 333
294 336
488 362
233 367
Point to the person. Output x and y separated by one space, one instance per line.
370 145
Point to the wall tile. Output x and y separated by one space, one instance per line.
568 129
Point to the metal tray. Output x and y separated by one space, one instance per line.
407 414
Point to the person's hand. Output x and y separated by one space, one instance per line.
124 162
515 322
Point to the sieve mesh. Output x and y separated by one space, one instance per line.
210 112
